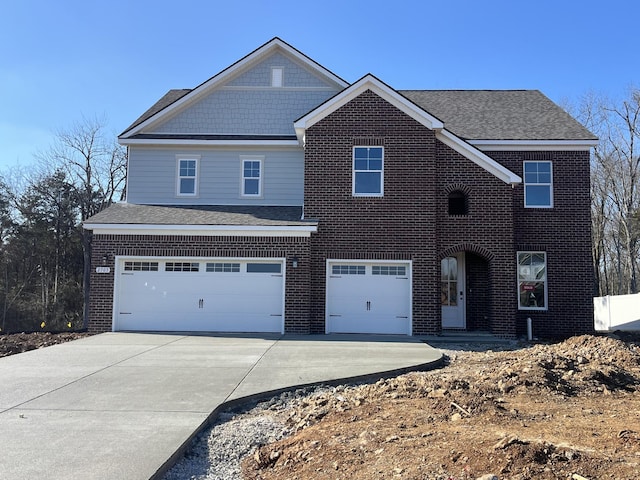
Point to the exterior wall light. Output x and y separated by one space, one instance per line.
294 262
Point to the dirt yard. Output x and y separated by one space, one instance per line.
13 343
569 410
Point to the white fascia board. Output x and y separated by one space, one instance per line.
202 230
534 145
368 82
225 74
206 143
477 157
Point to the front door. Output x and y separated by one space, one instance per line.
452 291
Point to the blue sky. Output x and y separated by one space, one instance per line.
60 61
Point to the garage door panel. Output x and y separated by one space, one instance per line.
361 301
229 301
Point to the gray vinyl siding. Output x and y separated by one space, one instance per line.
258 112
249 105
294 74
152 176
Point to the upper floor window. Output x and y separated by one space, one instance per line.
251 177
368 171
457 203
188 176
538 185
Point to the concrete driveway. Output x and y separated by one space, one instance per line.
125 405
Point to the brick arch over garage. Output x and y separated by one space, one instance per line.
485 298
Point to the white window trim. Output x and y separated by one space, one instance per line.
251 158
196 189
545 281
524 182
353 172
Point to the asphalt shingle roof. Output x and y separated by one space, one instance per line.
127 213
499 114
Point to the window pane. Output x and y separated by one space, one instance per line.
361 153
251 169
444 269
251 187
187 185
538 195
264 267
532 295
368 182
375 152
375 164
187 168
361 164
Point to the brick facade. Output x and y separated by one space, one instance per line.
109 246
412 222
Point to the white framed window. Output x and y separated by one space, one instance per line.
538 185
368 171
251 176
277 76
532 281
187 176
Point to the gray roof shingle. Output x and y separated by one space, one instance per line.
499 114
167 99
127 213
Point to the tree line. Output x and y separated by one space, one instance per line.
615 190
45 252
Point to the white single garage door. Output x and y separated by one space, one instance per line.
212 295
368 297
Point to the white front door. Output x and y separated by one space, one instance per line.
452 291
368 297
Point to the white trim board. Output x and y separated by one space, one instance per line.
202 230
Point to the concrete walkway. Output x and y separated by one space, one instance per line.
125 405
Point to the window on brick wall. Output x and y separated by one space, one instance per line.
532 280
457 203
187 177
368 171
538 185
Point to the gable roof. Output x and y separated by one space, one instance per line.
175 99
418 113
500 115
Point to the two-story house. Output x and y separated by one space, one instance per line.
277 197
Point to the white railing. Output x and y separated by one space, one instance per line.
617 312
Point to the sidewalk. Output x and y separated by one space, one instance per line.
124 405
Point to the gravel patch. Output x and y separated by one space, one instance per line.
216 454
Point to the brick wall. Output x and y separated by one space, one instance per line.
411 221
297 285
564 232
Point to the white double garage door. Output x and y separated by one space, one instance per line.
248 295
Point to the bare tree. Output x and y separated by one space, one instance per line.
96 167
615 189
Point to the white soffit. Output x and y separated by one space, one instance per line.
533 145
